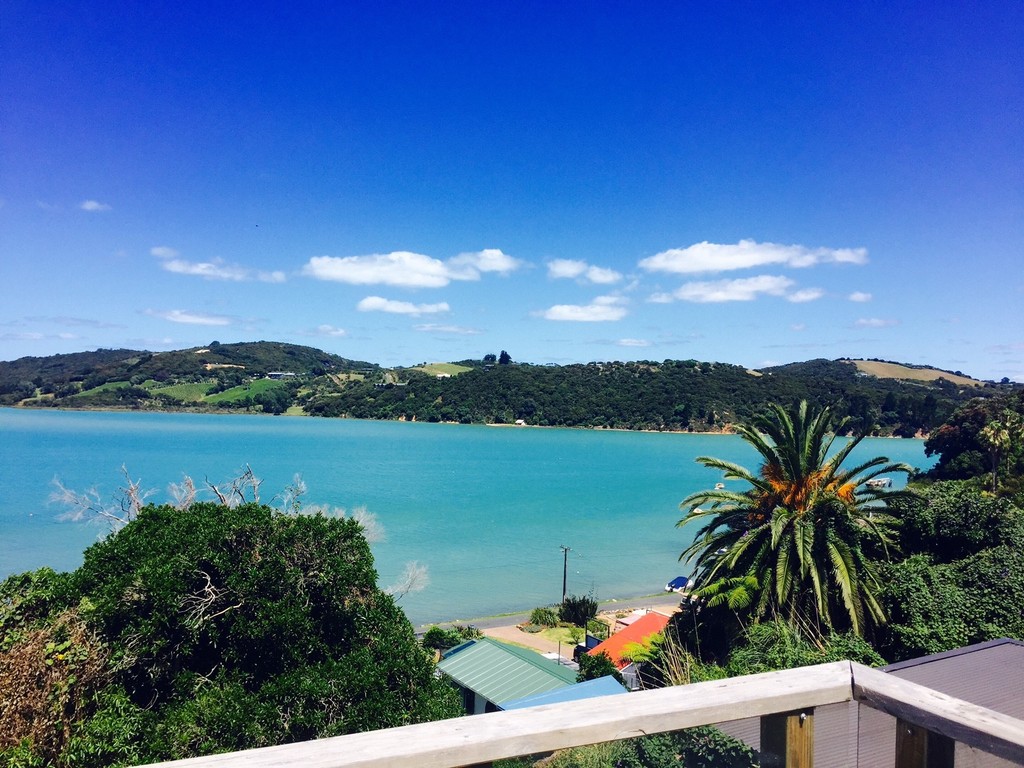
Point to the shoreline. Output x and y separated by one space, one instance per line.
722 431
654 601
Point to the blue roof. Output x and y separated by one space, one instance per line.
591 689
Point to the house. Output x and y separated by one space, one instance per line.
490 673
639 629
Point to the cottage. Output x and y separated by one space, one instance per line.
490 673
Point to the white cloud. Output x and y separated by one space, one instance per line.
94 206
456 329
330 330
798 327
566 268
277 276
603 275
211 270
216 269
716 257
189 318
742 289
572 268
875 322
805 294
859 296
487 260
660 298
601 309
407 269
378 304
633 343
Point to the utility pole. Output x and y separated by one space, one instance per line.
565 568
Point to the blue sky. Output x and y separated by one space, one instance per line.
407 182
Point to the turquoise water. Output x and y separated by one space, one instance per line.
484 508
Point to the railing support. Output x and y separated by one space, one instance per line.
917 747
787 740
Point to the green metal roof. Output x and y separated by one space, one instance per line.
500 672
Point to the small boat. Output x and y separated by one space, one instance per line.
879 482
719 486
678 584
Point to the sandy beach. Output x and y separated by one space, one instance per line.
506 628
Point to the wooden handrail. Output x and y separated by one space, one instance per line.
484 738
960 720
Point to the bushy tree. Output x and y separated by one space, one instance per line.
229 628
982 438
441 639
964 581
950 520
595 666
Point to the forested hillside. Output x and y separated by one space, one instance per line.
673 395
273 377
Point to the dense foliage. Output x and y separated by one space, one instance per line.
963 579
668 395
671 395
132 378
966 446
207 629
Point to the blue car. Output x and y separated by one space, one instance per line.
678 584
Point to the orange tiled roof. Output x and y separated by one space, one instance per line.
645 626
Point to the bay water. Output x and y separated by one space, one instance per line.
485 509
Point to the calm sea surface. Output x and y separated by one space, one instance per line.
485 509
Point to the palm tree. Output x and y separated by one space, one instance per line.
999 436
801 528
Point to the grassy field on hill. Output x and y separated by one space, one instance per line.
434 369
895 371
252 389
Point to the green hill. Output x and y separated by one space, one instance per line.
668 395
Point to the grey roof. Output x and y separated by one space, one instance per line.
602 686
499 672
989 674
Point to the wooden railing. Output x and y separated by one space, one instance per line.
929 722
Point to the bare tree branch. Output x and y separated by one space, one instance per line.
413 579
88 505
199 607
183 493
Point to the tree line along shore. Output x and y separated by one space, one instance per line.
671 395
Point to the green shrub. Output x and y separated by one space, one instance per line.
219 629
544 616
578 610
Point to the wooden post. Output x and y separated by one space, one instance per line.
787 740
917 747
